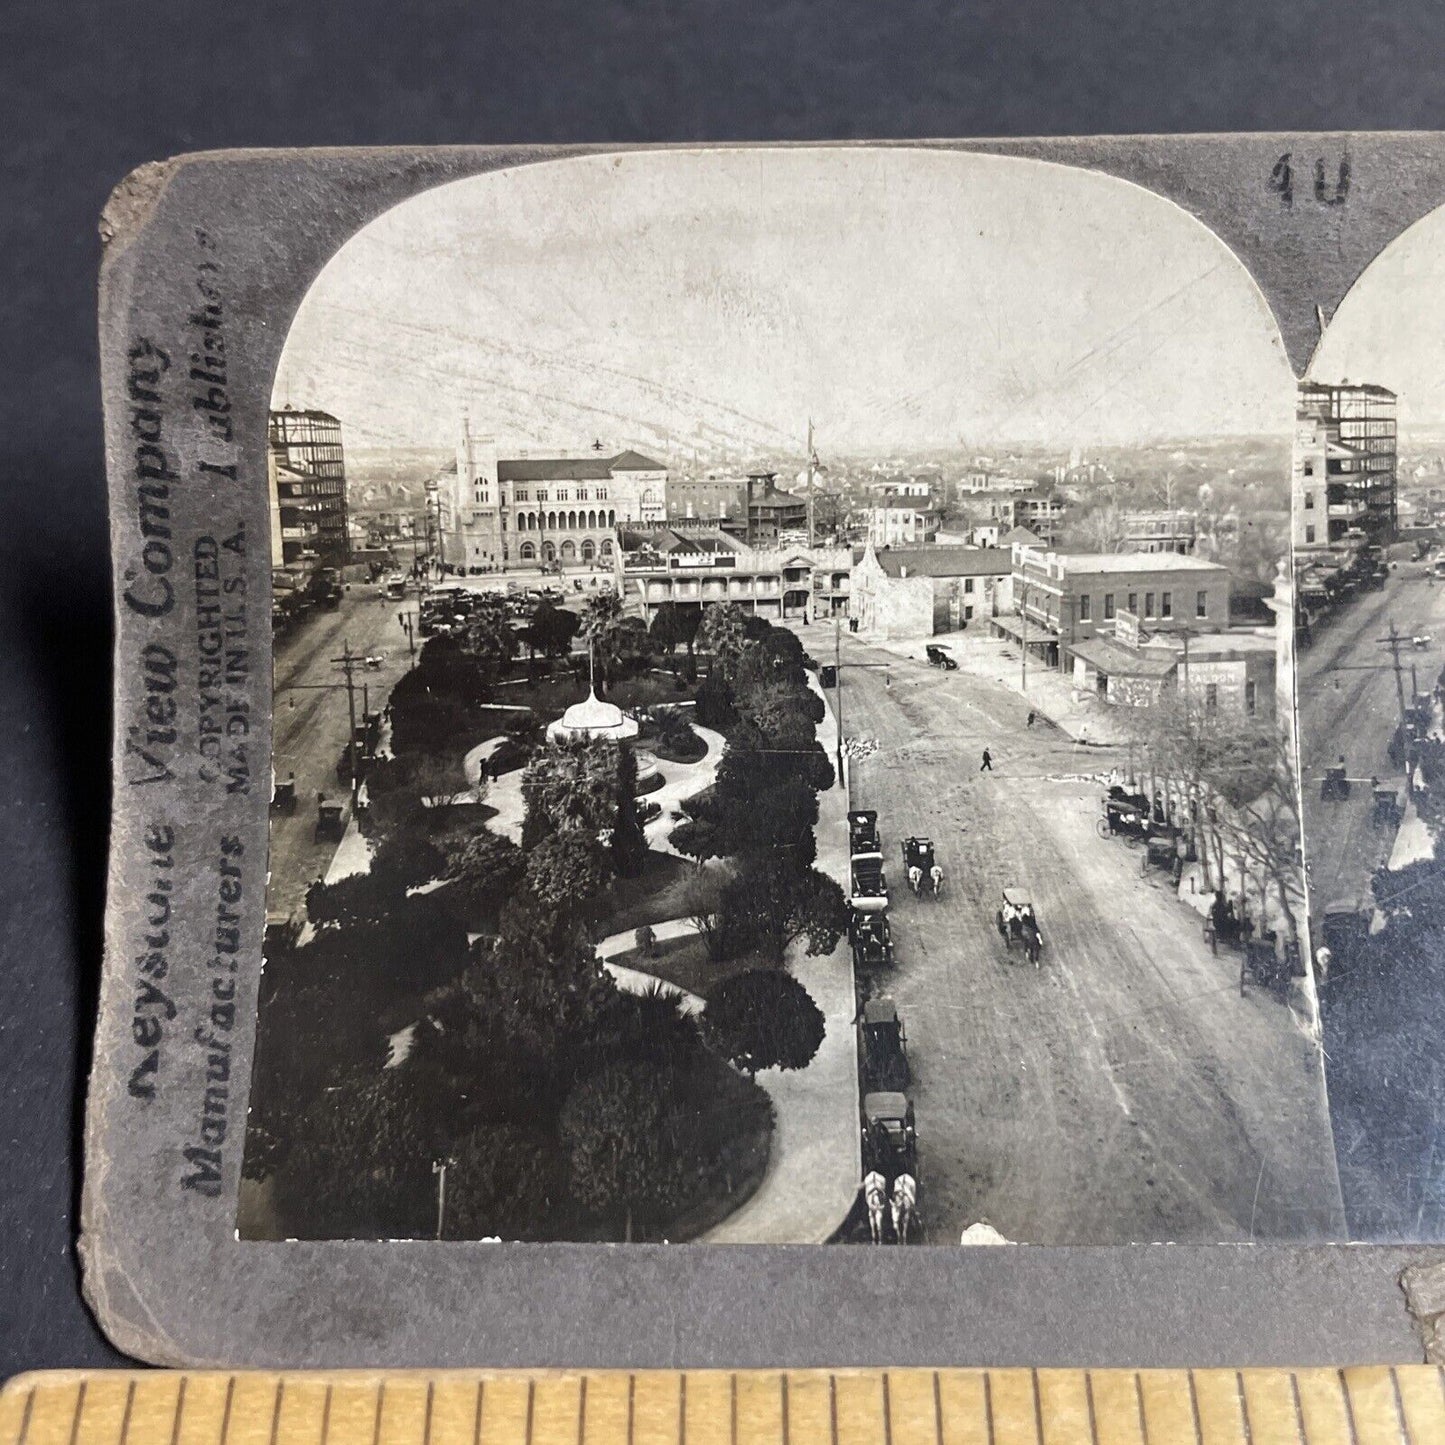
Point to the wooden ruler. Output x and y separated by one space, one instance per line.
1402 1406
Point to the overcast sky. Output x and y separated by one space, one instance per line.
903 299
1390 328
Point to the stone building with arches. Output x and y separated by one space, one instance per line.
499 514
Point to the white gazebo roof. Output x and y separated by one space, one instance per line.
593 718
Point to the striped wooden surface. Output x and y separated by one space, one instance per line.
1360 1406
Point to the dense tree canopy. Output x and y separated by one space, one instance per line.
762 1019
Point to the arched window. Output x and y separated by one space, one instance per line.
611 517
549 552
571 521
551 521
592 520
569 550
589 550
607 547
529 552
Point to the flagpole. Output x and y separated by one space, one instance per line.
810 482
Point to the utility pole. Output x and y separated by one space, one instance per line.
1395 642
1024 647
348 662
838 685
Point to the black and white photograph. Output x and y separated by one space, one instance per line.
1369 509
783 721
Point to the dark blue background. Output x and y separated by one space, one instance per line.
89 91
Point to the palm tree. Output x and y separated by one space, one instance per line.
723 630
603 630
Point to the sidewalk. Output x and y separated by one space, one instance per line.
815 1164
680 782
1050 693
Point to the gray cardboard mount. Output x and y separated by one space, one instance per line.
248 232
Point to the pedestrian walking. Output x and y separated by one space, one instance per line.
1031 719
888 681
986 766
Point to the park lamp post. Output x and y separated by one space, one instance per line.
439 1168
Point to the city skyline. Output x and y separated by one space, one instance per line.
717 300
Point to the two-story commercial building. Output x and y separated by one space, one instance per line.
1167 530
901 592
1064 599
901 521
692 564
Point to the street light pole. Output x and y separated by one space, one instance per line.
838 686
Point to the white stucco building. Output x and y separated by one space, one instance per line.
496 514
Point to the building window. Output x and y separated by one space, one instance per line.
581 494
1085 607
1309 468
1108 607
1249 698
1166 604
1134 603
1148 604
1309 501
1211 696
968 584
541 494
561 494
1309 536
521 495
1201 603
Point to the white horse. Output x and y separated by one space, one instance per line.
915 879
875 1195
905 1203
935 877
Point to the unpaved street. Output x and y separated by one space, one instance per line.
1124 1091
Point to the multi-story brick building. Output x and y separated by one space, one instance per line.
1062 599
306 471
1344 466
496 513
1172 530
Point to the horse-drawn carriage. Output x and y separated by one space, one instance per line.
283 795
872 940
863 830
885 1046
890 1135
1126 815
1384 808
1266 965
1018 923
330 824
921 868
1344 926
937 657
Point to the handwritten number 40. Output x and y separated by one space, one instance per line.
1282 181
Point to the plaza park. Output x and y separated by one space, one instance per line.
443 1052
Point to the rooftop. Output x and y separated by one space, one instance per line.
1104 563
944 561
